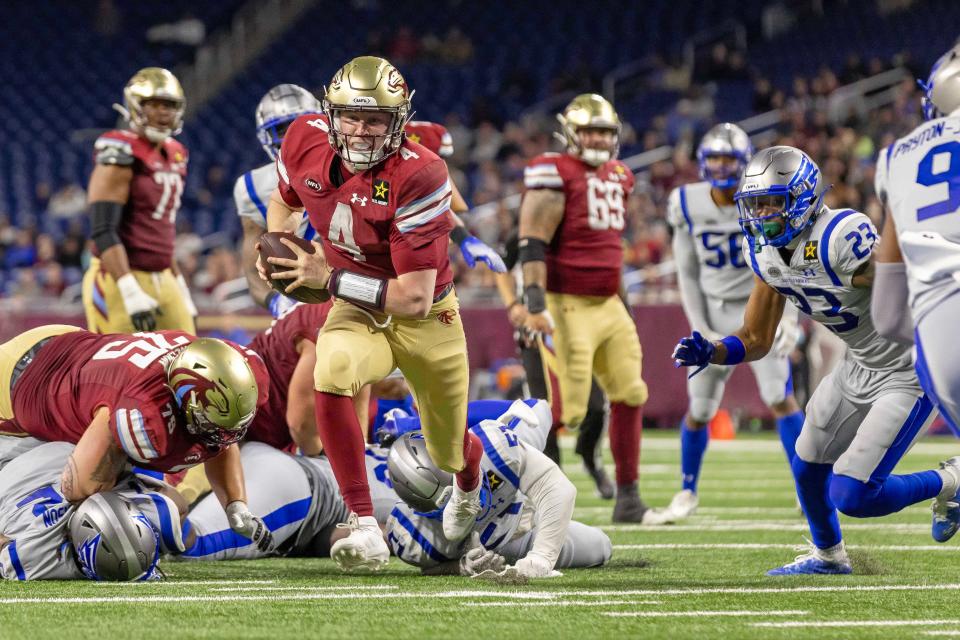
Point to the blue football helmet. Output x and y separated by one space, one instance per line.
782 189
942 88
724 139
282 105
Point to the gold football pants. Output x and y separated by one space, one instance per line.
593 336
14 349
103 304
354 349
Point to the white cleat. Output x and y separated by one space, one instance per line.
657 517
460 513
683 505
364 548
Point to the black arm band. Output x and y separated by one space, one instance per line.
536 298
458 234
104 220
532 250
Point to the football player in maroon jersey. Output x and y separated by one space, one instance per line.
379 203
164 401
132 283
571 219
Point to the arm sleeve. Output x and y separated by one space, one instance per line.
688 268
553 496
889 305
112 150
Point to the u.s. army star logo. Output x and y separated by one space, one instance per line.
810 250
381 191
494 480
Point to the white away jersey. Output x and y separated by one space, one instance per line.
251 193
818 281
34 516
923 195
418 539
723 274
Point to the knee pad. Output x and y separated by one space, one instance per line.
703 409
449 457
852 497
336 372
772 394
635 395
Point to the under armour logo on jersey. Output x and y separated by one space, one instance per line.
446 316
357 199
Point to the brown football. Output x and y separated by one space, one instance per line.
271 247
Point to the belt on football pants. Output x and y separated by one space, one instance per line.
443 293
25 361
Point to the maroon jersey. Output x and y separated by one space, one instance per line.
77 373
431 135
147 229
383 222
278 348
586 254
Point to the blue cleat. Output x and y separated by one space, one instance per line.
816 562
946 510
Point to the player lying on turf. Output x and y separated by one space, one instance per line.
527 505
918 265
715 283
113 535
864 415
164 401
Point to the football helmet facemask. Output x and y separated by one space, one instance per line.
367 84
216 389
781 191
152 83
589 111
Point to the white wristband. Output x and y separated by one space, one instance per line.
129 287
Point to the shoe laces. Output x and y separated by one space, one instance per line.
463 506
352 523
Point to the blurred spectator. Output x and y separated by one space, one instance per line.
189 31
404 47
68 201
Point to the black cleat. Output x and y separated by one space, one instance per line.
629 506
605 487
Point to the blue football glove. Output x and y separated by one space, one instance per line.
280 304
396 422
693 351
474 250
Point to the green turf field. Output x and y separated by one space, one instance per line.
703 579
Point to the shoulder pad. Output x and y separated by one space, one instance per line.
113 149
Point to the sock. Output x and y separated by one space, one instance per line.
625 431
789 428
589 435
469 478
883 497
813 489
693 444
344 447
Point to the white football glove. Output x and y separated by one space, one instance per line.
248 525
535 566
141 307
478 559
786 338
187 298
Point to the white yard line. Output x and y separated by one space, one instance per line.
855 623
798 547
532 595
385 587
699 614
760 525
174 582
955 633
561 603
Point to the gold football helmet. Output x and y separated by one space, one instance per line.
589 110
367 83
152 83
216 389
